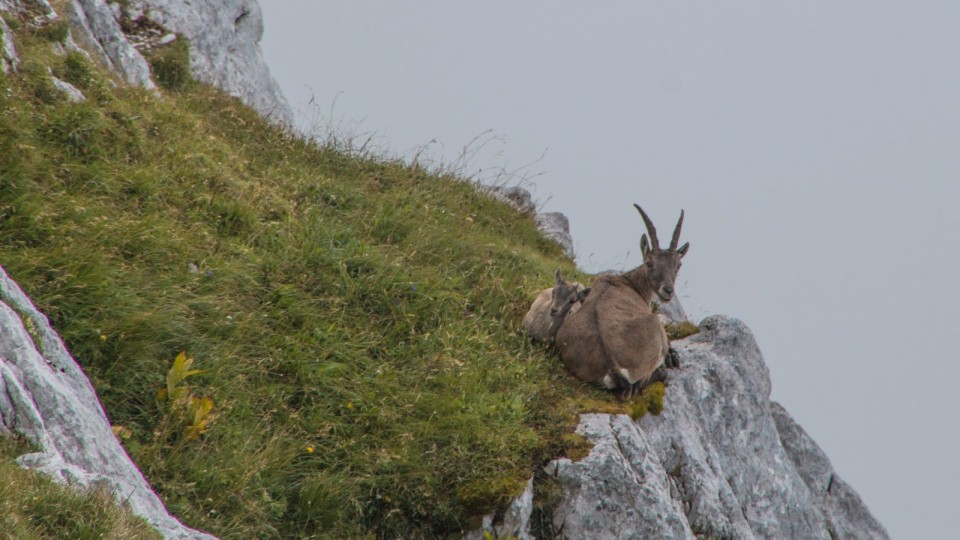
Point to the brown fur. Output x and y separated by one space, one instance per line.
551 307
614 340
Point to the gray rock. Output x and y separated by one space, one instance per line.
556 227
95 28
45 397
224 48
73 94
515 196
847 516
8 53
553 225
720 461
515 522
620 490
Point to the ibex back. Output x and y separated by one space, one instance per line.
615 340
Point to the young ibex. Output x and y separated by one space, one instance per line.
551 307
615 340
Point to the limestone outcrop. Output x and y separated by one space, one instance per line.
721 461
46 398
224 42
224 45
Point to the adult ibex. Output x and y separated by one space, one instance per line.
615 340
552 306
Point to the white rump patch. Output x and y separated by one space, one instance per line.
626 375
608 381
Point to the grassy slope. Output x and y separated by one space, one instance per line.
356 319
34 507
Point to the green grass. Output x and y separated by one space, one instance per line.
33 507
356 319
681 330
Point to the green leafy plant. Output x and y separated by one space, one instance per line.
193 414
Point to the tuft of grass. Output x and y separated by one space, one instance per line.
33 506
357 317
681 330
55 32
171 65
650 401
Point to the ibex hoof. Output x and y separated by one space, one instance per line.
673 358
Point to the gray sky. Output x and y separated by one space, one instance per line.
814 146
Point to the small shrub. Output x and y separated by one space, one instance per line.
55 32
12 21
36 78
171 65
184 411
76 69
650 401
482 496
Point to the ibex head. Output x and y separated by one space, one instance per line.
565 295
661 265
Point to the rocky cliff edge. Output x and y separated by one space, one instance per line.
720 461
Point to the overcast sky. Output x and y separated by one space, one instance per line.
814 146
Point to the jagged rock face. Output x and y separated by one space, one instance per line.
847 516
224 47
45 397
96 29
224 43
721 461
716 458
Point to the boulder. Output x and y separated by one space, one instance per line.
553 225
556 227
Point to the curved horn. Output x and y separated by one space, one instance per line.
676 233
650 228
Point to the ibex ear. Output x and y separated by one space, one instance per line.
644 246
683 249
557 278
582 295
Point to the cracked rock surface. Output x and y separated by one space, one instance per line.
45 397
224 42
224 47
720 461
